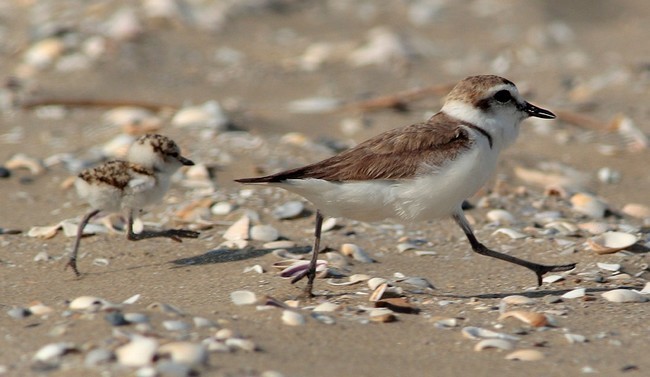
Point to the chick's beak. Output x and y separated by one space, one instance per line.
537 112
185 161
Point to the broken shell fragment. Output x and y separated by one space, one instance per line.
575 338
356 253
501 216
575 293
22 161
374 283
636 210
185 353
501 344
88 303
480 333
532 318
243 297
239 230
525 355
140 351
518 300
513 234
292 318
54 350
589 205
624 295
378 292
611 242
609 266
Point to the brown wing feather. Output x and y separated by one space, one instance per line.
395 154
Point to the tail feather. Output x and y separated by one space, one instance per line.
266 179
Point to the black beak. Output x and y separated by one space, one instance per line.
185 161
537 112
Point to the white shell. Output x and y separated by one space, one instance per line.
222 208
552 278
243 297
501 216
595 227
243 344
185 353
589 205
576 293
525 355
611 242
210 114
518 300
88 303
139 352
494 343
575 338
43 53
624 295
288 210
53 350
378 293
292 318
313 105
265 233
174 325
326 307
609 266
44 232
376 282
356 253
239 230
636 210
513 234
480 333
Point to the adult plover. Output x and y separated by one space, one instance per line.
420 172
131 185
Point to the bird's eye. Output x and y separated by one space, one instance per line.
502 96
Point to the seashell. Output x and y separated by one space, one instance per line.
239 230
133 120
552 278
624 295
44 52
184 353
38 308
314 105
44 232
174 325
222 208
299 267
139 352
256 268
54 350
223 334
383 46
609 175
382 315
575 293
646 289
356 253
376 282
564 228
209 114
136 318
288 210
480 333
634 137
243 297
501 216
242 344
42 256
97 357
525 355
19 313
501 344
518 300
22 161
214 345
292 318
609 266
378 292
264 233
513 234
423 253
402 247
418 282
131 300
70 228
89 304
201 322
532 318
636 210
283 244
329 224
166 308
322 318
594 227
118 147
445 323
326 307
589 205
611 242
575 338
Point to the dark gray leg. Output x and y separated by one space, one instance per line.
538 269
311 271
72 262
174 234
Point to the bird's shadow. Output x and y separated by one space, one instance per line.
527 293
225 255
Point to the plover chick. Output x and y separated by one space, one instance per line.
129 186
420 172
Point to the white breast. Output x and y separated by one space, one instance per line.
434 194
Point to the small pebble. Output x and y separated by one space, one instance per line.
19 313
265 233
288 210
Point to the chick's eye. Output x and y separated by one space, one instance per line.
502 96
